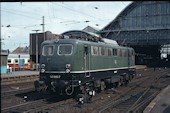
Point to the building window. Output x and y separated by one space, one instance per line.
9 60
16 60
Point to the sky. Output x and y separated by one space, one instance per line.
19 19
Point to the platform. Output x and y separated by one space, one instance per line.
20 73
19 77
161 103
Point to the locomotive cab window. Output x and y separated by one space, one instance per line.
48 50
65 49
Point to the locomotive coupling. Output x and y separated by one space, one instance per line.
61 83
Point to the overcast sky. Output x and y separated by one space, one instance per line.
19 19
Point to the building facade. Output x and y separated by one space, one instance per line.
143 25
33 43
4 55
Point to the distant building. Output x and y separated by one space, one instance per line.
21 50
144 26
4 55
41 37
90 29
19 59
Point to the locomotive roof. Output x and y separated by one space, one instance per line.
81 42
80 32
82 35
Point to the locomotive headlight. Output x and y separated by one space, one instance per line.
42 65
67 70
42 70
68 66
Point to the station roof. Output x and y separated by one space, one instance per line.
121 14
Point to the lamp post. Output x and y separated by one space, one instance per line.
36 49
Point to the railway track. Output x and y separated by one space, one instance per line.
39 106
130 98
138 101
7 80
16 91
21 108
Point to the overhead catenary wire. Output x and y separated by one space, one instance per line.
73 10
16 13
26 12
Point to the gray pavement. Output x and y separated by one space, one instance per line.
161 104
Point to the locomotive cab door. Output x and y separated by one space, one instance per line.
86 60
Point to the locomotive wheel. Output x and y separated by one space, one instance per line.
117 84
98 89
103 86
130 77
37 86
127 79
81 98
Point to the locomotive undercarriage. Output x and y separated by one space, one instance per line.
88 90
83 90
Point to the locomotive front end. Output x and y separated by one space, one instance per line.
56 65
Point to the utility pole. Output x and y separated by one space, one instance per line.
43 27
36 49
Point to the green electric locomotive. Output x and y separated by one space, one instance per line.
74 66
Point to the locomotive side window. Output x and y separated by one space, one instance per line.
114 52
120 53
102 51
133 53
65 49
124 53
48 50
106 51
110 52
94 50
130 53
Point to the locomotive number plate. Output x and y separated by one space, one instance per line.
55 76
